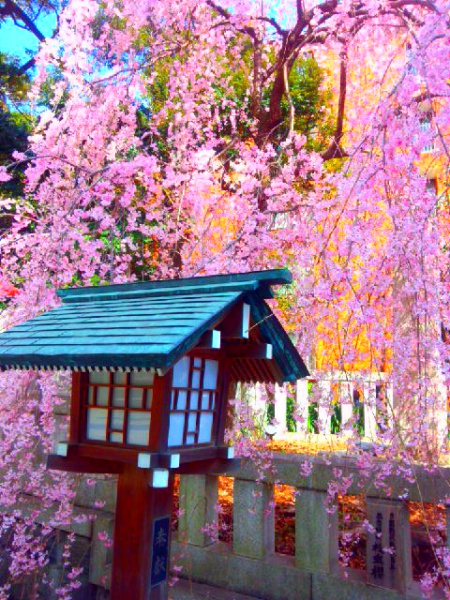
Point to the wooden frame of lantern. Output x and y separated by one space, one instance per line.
145 409
199 404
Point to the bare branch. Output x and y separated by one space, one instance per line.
274 24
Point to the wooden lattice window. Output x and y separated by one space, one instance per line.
118 408
193 403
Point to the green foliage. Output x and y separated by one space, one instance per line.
313 418
310 100
15 122
336 418
290 413
358 411
308 93
270 415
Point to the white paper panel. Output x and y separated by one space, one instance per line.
135 397
210 376
138 428
101 377
194 400
181 372
192 422
117 419
118 398
176 428
96 424
205 427
205 400
102 396
182 400
142 378
196 379
120 378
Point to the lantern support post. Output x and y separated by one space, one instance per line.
141 536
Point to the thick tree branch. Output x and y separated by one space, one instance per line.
11 9
335 150
24 68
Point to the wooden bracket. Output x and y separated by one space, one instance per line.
210 340
236 325
74 463
237 350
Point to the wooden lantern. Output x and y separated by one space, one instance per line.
151 366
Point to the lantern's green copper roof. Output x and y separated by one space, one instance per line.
145 325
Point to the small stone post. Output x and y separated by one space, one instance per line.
316 533
253 519
198 498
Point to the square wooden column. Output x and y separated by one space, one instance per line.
141 537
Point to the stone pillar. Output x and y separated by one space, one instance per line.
280 399
302 402
316 533
253 519
389 547
198 499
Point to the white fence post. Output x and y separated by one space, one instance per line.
302 404
280 408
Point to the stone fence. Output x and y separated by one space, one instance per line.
250 564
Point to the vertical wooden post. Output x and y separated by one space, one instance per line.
141 537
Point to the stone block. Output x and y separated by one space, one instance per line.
61 430
389 546
273 579
325 587
97 488
316 533
253 519
198 500
101 556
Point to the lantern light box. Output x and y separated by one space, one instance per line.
152 364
